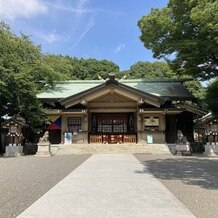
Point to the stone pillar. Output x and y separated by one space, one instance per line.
44 149
63 127
209 149
139 127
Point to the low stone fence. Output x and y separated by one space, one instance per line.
30 148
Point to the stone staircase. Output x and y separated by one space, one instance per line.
62 149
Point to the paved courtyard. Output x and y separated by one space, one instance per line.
108 185
112 185
23 180
193 180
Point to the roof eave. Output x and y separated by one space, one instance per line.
74 99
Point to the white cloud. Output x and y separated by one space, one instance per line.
119 47
11 9
50 37
79 8
81 4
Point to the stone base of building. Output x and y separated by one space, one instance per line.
211 149
44 149
111 148
13 151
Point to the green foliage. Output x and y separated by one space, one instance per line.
185 29
91 68
212 97
84 69
197 90
150 70
21 66
62 66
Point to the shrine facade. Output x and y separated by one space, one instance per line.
116 111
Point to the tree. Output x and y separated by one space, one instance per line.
92 68
22 66
151 70
60 65
212 97
84 69
186 30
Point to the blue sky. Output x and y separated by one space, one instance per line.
101 29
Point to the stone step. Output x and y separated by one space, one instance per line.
110 148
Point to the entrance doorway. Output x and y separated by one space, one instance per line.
112 128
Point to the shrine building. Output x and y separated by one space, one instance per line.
117 111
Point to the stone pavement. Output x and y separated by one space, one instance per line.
108 185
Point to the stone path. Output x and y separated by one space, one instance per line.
108 185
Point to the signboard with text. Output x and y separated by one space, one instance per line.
151 121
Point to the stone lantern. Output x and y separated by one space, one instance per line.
14 148
210 122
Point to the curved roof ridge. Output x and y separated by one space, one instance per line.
80 81
153 80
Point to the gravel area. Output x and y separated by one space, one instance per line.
193 180
25 179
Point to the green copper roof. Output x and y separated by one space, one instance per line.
161 88
158 88
68 88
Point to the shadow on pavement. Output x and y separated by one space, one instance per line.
190 170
